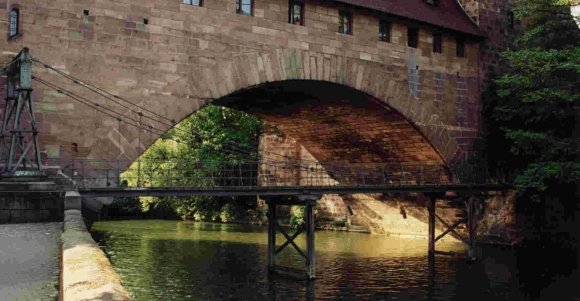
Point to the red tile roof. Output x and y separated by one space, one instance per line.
447 14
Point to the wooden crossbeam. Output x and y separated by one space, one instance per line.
451 229
290 240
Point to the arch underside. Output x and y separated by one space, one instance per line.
254 75
336 123
332 125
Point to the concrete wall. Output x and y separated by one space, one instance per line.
186 56
87 273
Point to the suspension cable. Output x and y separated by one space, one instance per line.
101 91
110 96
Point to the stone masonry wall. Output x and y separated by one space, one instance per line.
395 214
30 207
492 16
330 206
187 56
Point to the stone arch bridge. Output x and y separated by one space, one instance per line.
343 97
174 58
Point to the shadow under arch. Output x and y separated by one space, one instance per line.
223 80
336 123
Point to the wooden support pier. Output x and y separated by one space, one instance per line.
471 222
309 201
308 228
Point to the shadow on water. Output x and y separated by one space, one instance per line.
168 260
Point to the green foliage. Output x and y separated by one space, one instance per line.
548 22
297 214
213 135
126 206
339 223
536 100
230 212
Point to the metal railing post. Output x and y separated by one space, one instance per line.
384 176
139 172
401 175
118 172
83 180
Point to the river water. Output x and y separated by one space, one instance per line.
173 260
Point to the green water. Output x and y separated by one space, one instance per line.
171 260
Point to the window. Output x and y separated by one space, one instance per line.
385 31
460 47
344 22
245 7
192 2
437 43
296 13
412 37
13 29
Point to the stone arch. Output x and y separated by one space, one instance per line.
188 87
334 123
219 79
212 80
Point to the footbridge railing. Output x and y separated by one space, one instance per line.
95 173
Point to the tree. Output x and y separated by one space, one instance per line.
537 97
534 130
195 153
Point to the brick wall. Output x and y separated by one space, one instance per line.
492 18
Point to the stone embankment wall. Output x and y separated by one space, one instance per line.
24 202
86 272
26 208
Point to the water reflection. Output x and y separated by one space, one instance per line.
169 260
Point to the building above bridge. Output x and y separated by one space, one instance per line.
447 14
